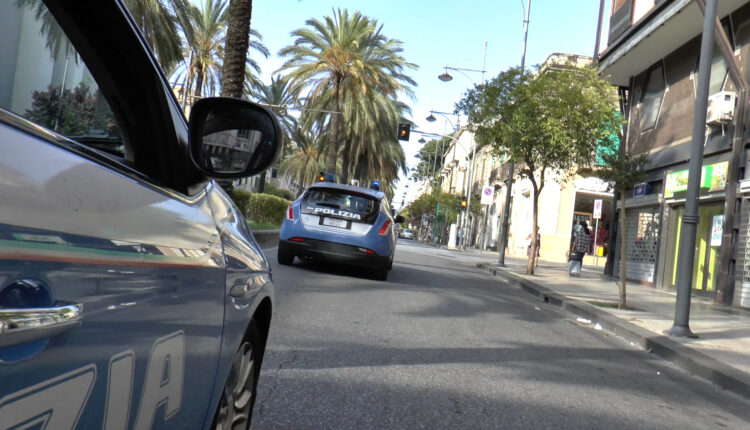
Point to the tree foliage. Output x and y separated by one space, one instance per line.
340 61
547 123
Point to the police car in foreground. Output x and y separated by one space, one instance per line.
340 223
132 294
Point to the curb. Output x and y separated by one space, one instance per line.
695 362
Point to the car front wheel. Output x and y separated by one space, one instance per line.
238 398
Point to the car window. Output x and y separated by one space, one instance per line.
44 80
343 203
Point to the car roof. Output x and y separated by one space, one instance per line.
343 187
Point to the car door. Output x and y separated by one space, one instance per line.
111 282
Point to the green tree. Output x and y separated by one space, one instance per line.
623 171
339 58
69 113
547 123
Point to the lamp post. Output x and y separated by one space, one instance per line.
446 77
511 166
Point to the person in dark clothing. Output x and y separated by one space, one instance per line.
581 243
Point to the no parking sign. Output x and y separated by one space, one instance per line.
487 194
597 209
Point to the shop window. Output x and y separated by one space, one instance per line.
652 98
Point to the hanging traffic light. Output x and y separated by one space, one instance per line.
464 203
403 131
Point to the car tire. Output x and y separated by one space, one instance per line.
381 273
235 410
284 258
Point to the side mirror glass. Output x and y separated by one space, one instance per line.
232 138
399 219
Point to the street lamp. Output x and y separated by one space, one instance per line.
446 77
421 140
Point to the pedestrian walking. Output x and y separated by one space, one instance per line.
581 243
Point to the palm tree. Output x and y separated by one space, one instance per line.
303 163
160 22
278 96
236 48
208 25
340 58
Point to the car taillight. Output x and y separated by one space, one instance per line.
384 228
290 213
297 239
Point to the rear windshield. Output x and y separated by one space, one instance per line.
341 204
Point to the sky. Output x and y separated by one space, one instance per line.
438 33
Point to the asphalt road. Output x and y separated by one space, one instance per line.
442 345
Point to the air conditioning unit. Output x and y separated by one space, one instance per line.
721 108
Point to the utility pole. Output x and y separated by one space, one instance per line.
503 243
686 256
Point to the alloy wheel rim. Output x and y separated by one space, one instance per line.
236 399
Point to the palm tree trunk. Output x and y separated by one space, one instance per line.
198 82
333 139
623 258
235 48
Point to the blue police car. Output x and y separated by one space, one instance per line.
132 294
340 223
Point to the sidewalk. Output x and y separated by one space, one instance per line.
720 354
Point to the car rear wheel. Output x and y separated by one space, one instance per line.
238 398
381 273
284 258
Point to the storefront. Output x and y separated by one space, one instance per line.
642 228
708 240
588 192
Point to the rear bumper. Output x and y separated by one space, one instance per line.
333 252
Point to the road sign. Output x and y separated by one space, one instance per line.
597 209
487 194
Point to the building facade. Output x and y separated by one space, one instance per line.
652 55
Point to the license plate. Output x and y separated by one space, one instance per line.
334 222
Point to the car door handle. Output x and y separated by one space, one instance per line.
29 324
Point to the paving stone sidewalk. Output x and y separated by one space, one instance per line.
721 353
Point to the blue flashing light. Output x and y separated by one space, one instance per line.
330 177
375 185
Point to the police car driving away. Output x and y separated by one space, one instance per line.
339 223
132 294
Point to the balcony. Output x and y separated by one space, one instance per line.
661 31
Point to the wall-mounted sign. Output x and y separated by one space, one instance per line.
717 229
641 189
713 178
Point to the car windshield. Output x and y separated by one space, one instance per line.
341 204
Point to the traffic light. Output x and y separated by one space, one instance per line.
321 177
464 203
403 131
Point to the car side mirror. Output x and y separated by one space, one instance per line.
232 138
399 219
